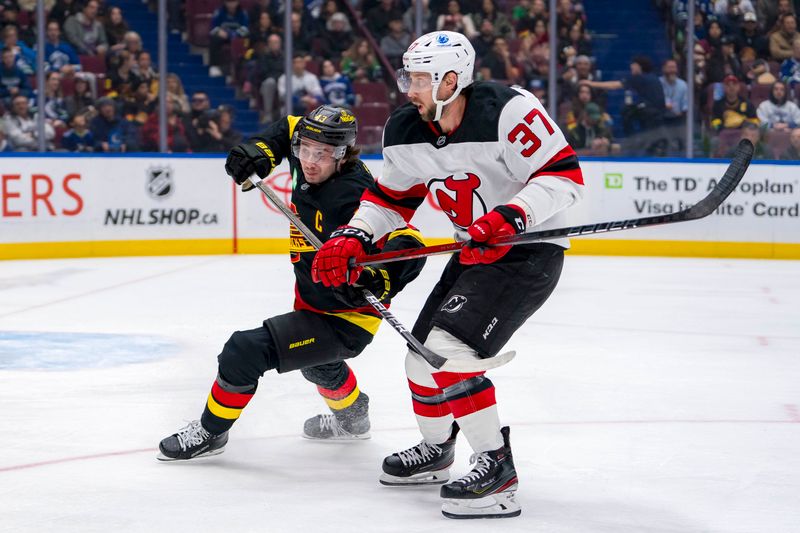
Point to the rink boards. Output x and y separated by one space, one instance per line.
175 205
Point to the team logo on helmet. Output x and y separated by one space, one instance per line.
454 304
442 39
344 116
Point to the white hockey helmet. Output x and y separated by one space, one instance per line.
438 53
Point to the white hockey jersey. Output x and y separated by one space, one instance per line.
506 150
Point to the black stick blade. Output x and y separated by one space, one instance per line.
727 184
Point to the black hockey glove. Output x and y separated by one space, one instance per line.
375 280
247 159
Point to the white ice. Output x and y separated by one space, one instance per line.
648 395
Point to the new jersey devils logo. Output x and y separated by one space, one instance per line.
459 199
454 304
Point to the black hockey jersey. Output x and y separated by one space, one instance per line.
323 208
505 150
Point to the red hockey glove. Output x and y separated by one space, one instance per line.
330 265
501 221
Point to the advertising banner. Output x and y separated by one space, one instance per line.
113 200
765 207
172 205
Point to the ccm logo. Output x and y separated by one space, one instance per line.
489 328
41 194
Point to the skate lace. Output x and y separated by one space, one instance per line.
192 435
332 423
419 454
482 465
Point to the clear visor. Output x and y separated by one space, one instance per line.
314 153
419 81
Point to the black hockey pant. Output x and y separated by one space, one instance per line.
314 343
483 305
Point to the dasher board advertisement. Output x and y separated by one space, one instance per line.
147 205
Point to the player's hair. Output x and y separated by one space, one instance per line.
350 156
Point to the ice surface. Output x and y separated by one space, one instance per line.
648 395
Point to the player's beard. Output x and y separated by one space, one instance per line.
427 112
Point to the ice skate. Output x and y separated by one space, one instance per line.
191 442
423 464
330 428
488 490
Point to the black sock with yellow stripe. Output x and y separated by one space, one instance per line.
224 405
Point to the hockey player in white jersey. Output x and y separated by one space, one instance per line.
497 165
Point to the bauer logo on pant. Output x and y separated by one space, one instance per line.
454 304
304 342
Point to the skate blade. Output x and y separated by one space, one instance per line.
340 438
438 477
500 505
164 458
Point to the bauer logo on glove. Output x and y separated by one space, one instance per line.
375 280
247 159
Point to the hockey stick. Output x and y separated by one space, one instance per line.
437 361
726 185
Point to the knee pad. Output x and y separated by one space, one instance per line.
447 345
329 376
442 343
246 356
227 386
419 371
467 387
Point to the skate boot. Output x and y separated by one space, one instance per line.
488 490
350 423
423 464
331 428
191 442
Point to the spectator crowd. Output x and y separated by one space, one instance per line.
89 112
746 54
331 56
747 69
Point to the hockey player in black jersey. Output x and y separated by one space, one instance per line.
327 325
497 165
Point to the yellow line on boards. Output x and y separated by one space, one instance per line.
53 250
736 250
263 246
619 247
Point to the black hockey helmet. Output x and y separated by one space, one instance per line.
328 124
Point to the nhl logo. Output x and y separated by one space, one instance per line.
159 182
441 140
454 304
